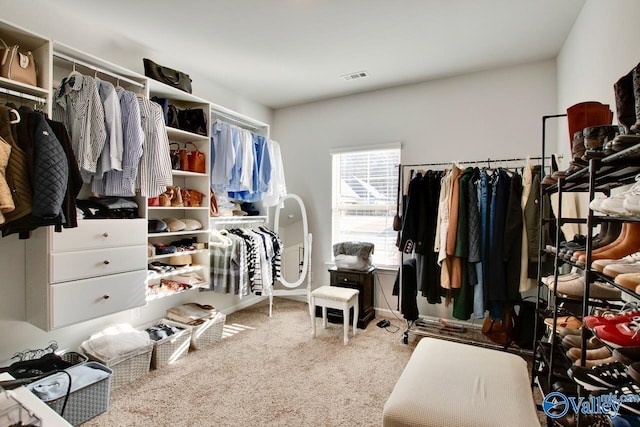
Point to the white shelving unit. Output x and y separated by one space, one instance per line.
184 180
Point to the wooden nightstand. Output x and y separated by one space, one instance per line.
360 280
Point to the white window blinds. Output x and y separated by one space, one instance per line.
365 186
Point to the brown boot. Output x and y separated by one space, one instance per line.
581 255
585 114
629 245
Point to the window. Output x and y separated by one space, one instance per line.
365 187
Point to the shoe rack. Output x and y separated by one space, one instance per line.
602 174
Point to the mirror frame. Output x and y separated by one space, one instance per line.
305 233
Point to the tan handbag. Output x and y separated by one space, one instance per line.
16 65
196 159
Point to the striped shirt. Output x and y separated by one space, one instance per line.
111 157
155 166
122 183
79 107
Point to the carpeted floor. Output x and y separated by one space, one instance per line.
270 372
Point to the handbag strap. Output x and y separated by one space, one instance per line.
195 147
175 80
171 144
4 44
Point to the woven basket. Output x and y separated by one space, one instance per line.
172 348
87 402
73 357
207 332
128 367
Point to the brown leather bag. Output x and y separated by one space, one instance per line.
502 331
16 65
213 205
196 159
191 198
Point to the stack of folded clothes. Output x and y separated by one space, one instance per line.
162 330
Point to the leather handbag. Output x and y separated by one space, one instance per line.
192 198
196 159
167 75
16 65
174 154
172 116
193 120
501 331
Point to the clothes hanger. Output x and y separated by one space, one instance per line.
17 119
222 242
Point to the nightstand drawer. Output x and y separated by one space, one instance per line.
80 300
99 234
67 266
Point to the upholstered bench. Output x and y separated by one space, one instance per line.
335 297
448 384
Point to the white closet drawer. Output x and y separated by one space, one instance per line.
81 300
101 233
67 266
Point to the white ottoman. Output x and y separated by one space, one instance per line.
449 384
335 297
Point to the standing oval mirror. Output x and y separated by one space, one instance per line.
290 223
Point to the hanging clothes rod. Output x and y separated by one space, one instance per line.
23 95
97 69
234 120
489 160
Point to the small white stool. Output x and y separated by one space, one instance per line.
339 298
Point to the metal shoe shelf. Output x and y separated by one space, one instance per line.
601 175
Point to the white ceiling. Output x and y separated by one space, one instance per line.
285 52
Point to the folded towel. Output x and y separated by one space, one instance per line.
55 386
116 341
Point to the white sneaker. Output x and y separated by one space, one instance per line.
631 204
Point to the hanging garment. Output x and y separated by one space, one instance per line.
526 284
496 287
155 172
111 155
463 302
261 172
6 201
17 173
78 106
74 184
47 162
123 183
407 290
512 245
277 187
229 266
224 143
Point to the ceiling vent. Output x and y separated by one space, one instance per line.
354 76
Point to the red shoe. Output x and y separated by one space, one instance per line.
609 318
622 334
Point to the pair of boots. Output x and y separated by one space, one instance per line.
627 96
627 243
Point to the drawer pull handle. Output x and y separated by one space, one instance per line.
106 262
105 234
345 280
105 296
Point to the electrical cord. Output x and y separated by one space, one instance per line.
391 328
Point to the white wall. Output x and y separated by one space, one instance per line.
492 114
49 20
601 48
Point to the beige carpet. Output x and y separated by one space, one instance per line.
270 372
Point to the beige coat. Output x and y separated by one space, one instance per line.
6 201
